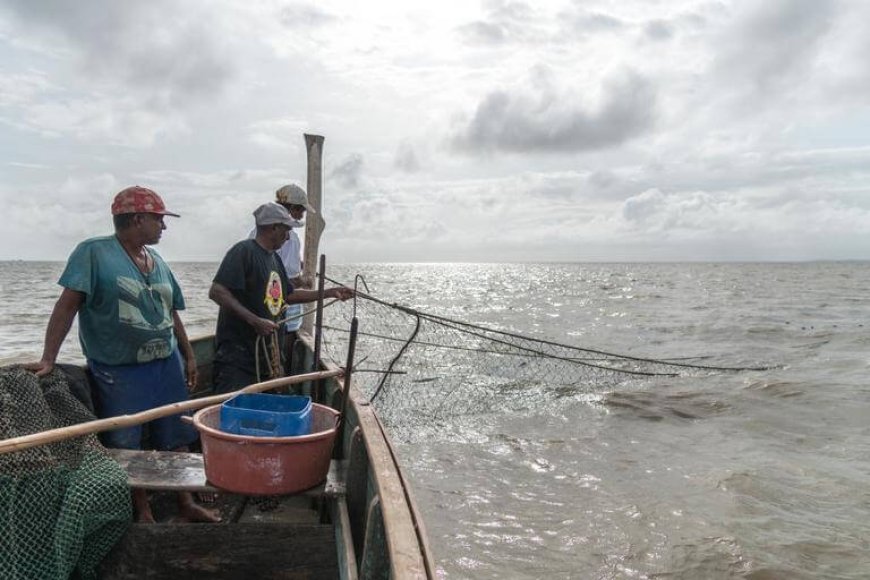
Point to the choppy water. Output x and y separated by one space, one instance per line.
762 475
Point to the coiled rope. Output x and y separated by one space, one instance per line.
272 350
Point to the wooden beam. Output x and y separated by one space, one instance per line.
223 552
180 471
344 541
162 470
375 563
314 222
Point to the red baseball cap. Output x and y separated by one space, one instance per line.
138 199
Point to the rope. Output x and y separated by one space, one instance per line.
273 355
488 351
396 359
304 314
460 326
270 362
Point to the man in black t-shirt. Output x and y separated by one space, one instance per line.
251 288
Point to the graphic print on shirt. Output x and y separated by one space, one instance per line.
146 309
274 299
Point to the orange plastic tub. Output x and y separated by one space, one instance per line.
266 465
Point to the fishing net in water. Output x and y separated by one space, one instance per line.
417 367
63 505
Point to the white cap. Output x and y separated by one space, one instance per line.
292 194
273 213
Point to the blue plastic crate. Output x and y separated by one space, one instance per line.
264 415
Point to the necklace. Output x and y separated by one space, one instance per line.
145 268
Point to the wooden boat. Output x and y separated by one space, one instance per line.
362 523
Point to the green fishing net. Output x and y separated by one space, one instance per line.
63 505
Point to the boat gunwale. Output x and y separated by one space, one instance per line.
405 533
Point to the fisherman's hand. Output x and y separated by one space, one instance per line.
41 368
190 371
340 292
264 326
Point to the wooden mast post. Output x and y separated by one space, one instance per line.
314 223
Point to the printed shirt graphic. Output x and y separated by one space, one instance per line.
289 254
127 316
274 299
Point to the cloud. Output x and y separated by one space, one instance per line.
406 158
484 33
659 30
116 122
348 172
275 134
540 119
305 16
730 216
21 88
655 129
165 56
388 217
505 21
26 208
775 42
595 22
654 210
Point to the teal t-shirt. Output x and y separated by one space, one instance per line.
126 317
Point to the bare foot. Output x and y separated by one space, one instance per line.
206 496
191 512
142 507
145 517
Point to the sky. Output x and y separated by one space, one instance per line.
476 131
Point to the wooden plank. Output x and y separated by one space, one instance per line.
223 552
203 349
375 563
336 479
163 470
179 471
357 487
344 540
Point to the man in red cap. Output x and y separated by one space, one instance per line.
127 301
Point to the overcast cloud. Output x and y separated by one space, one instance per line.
484 131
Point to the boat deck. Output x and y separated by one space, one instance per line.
301 548
178 471
259 537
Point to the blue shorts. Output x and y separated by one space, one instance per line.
128 389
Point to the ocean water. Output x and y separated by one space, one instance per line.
755 474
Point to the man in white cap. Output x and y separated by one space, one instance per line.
295 201
252 287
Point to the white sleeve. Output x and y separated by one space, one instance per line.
289 254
